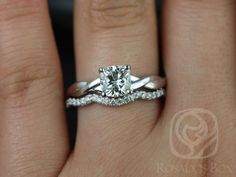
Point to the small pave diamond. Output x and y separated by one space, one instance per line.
115 80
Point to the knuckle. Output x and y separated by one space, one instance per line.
115 14
25 84
11 10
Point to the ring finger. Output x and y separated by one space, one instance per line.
111 32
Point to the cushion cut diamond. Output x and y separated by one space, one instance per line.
115 80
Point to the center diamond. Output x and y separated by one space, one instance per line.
115 80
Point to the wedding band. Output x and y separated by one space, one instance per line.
115 87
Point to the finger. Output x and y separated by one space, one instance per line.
110 32
199 52
33 133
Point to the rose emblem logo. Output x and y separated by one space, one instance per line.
194 134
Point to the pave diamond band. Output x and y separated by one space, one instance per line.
93 98
115 87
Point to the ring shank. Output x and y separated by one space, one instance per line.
79 89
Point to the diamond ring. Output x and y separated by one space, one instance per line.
115 87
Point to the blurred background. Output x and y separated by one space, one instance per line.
62 20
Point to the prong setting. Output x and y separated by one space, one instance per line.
115 81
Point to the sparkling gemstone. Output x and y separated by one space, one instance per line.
115 80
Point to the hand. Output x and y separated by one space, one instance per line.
198 42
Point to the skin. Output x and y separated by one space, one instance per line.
198 40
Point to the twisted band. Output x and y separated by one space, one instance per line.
79 89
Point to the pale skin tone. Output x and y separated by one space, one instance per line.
198 39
